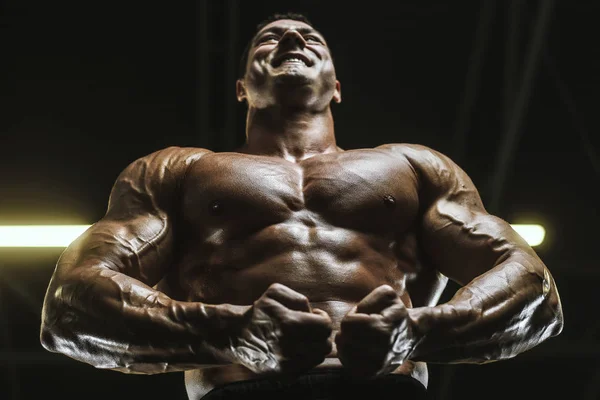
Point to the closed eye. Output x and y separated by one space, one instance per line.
313 38
268 38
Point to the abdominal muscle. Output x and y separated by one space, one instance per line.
333 268
200 381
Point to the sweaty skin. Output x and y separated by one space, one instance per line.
292 254
220 228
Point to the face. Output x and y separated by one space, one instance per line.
288 61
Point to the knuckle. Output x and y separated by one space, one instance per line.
387 291
303 298
394 313
265 303
290 321
260 302
275 287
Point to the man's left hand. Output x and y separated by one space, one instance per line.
376 336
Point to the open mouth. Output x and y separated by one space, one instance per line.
291 59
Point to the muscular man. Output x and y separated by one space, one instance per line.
291 266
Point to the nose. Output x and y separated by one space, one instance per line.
292 39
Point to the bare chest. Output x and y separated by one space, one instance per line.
362 190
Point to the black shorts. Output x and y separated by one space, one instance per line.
322 384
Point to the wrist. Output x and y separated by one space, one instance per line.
215 328
439 328
421 321
421 318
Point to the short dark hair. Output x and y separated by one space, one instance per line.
272 18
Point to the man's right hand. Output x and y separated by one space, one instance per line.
281 334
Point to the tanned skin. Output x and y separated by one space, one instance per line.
292 254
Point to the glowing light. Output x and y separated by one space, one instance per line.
40 235
533 234
63 235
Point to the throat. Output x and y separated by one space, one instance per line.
293 136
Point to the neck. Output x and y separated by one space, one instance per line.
291 134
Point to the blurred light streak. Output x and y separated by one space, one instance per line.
63 235
39 235
532 233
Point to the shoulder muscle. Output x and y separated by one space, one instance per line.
151 182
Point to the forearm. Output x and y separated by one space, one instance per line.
508 310
110 320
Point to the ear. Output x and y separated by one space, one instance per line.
240 90
337 95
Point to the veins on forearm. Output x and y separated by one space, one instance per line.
500 314
111 321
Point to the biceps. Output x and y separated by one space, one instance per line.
464 243
139 247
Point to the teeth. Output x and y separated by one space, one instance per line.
293 60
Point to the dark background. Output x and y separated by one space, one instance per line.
507 88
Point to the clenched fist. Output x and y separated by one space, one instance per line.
376 336
281 334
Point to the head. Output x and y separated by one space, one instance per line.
287 61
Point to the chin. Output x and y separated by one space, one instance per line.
292 76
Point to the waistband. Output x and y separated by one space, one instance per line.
322 384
